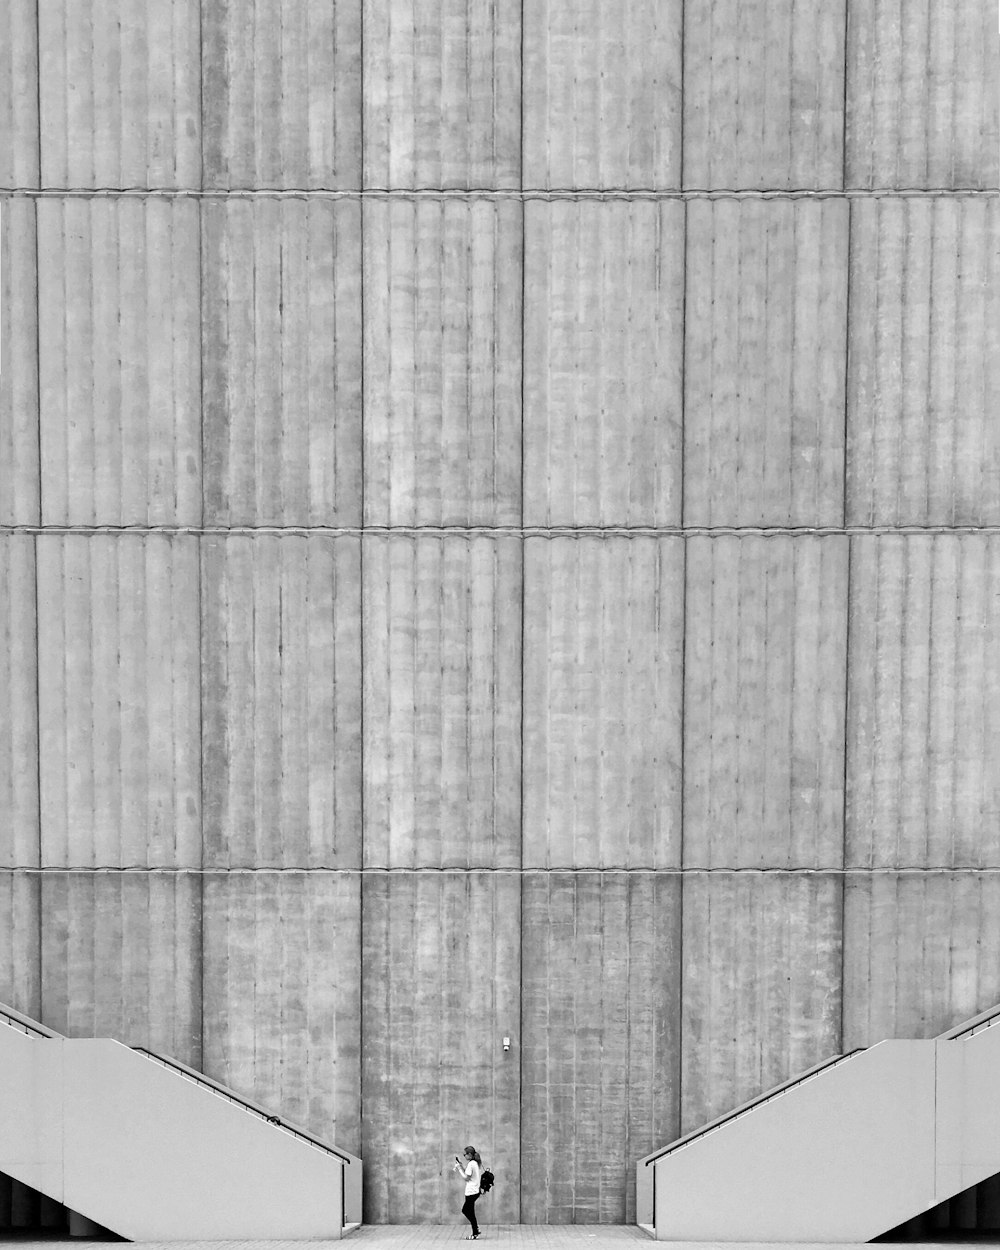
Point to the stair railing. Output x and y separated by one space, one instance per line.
25 1024
985 1020
199 1078
742 1110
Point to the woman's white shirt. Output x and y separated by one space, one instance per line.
473 1173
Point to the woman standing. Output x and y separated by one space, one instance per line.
471 1170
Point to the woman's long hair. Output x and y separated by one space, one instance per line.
475 1154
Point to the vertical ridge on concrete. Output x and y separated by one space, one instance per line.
601 978
121 959
764 702
442 702
281 85
119 96
20 952
441 106
440 971
19 385
19 95
118 701
601 94
925 363
282 386
443 362
19 723
761 984
765 362
282 969
763 103
919 953
281 691
603 680
924 741
604 345
922 107
118 351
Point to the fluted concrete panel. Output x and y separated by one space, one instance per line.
764 697
919 953
442 88
19 484
19 846
443 362
19 94
603 364
761 993
120 93
765 362
600 1083
602 94
603 681
922 104
281 698
764 94
20 943
281 87
119 361
924 446
440 977
119 706
442 702
923 741
282 969
282 369
121 958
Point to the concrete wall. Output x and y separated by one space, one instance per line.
719 790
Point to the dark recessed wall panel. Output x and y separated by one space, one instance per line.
600 1082
282 995
440 984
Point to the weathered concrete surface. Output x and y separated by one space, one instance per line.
281 337
281 992
20 950
120 93
121 958
442 334
19 95
922 103
119 333
918 952
19 836
602 93
765 345
603 680
440 986
281 701
118 701
442 93
764 93
281 90
923 739
442 675
764 696
600 1020
761 994
923 438
603 341
19 484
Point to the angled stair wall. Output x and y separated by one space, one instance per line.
155 1153
845 1153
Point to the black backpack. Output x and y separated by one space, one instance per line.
486 1179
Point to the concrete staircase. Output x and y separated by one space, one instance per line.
842 1153
144 1146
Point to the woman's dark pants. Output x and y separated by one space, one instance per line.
469 1211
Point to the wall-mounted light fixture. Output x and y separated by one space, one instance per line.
506 1043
